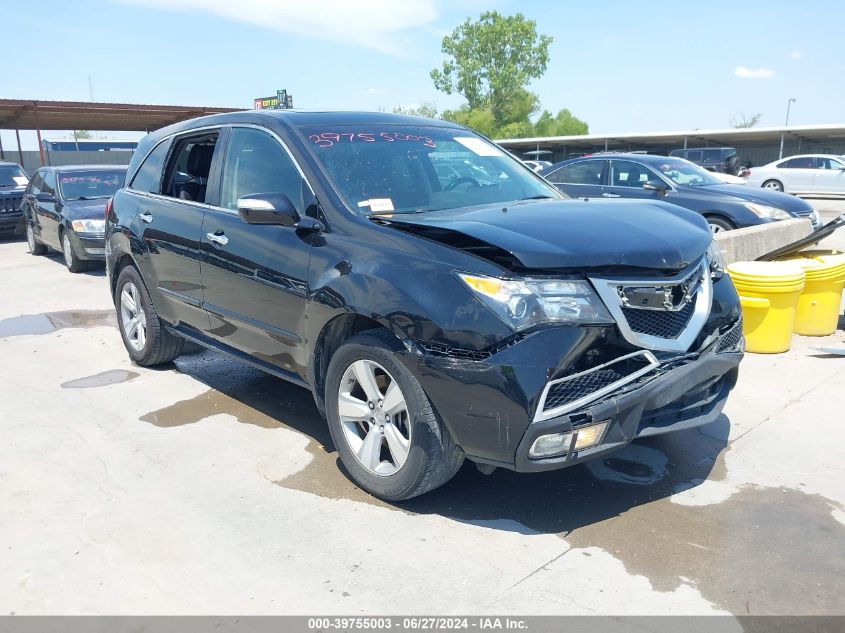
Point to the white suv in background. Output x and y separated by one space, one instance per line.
810 174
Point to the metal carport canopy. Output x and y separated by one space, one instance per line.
729 135
27 114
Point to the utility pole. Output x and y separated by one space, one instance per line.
786 124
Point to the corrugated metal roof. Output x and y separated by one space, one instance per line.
25 114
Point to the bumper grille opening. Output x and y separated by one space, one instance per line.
568 393
662 323
10 204
731 341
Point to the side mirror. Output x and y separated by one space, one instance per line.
656 185
45 197
267 208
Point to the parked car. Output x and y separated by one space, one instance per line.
718 159
64 209
432 320
13 181
808 174
680 182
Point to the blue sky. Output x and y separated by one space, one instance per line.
619 65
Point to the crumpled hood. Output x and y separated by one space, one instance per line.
749 193
85 209
573 234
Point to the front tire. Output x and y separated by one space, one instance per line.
718 225
388 435
35 248
144 335
72 261
774 185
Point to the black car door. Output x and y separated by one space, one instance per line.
581 179
626 179
29 204
48 210
254 275
169 222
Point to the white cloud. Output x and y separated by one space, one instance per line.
744 72
795 55
373 24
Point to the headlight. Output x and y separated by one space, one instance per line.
716 261
526 302
764 211
89 226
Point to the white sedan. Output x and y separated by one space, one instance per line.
807 174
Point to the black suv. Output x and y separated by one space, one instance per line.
13 181
719 159
64 208
434 314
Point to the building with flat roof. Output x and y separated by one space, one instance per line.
758 145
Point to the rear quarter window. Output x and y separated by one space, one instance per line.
148 177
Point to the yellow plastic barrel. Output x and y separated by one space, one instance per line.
768 293
818 308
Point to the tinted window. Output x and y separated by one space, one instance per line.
715 155
624 173
694 155
90 185
189 166
49 185
255 162
804 162
585 173
148 177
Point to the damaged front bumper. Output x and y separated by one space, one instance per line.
497 408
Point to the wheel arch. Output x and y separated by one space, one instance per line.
331 337
719 215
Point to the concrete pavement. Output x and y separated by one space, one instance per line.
208 487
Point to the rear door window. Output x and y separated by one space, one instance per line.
189 167
802 162
694 155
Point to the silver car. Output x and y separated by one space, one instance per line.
807 174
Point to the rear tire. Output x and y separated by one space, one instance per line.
35 247
72 261
774 185
718 225
426 457
144 335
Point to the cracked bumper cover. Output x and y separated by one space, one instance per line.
490 406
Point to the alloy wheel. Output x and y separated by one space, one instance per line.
715 228
67 250
133 317
30 238
374 417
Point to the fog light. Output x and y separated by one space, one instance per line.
590 435
549 445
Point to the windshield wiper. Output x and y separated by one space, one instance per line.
541 196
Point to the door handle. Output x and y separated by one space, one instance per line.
610 195
146 216
218 238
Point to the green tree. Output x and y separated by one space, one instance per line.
744 121
562 124
426 109
491 60
81 134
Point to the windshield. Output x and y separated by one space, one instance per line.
683 172
90 185
413 169
12 176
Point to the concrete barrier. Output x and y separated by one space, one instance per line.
743 245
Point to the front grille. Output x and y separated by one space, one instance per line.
731 341
660 323
594 383
10 204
